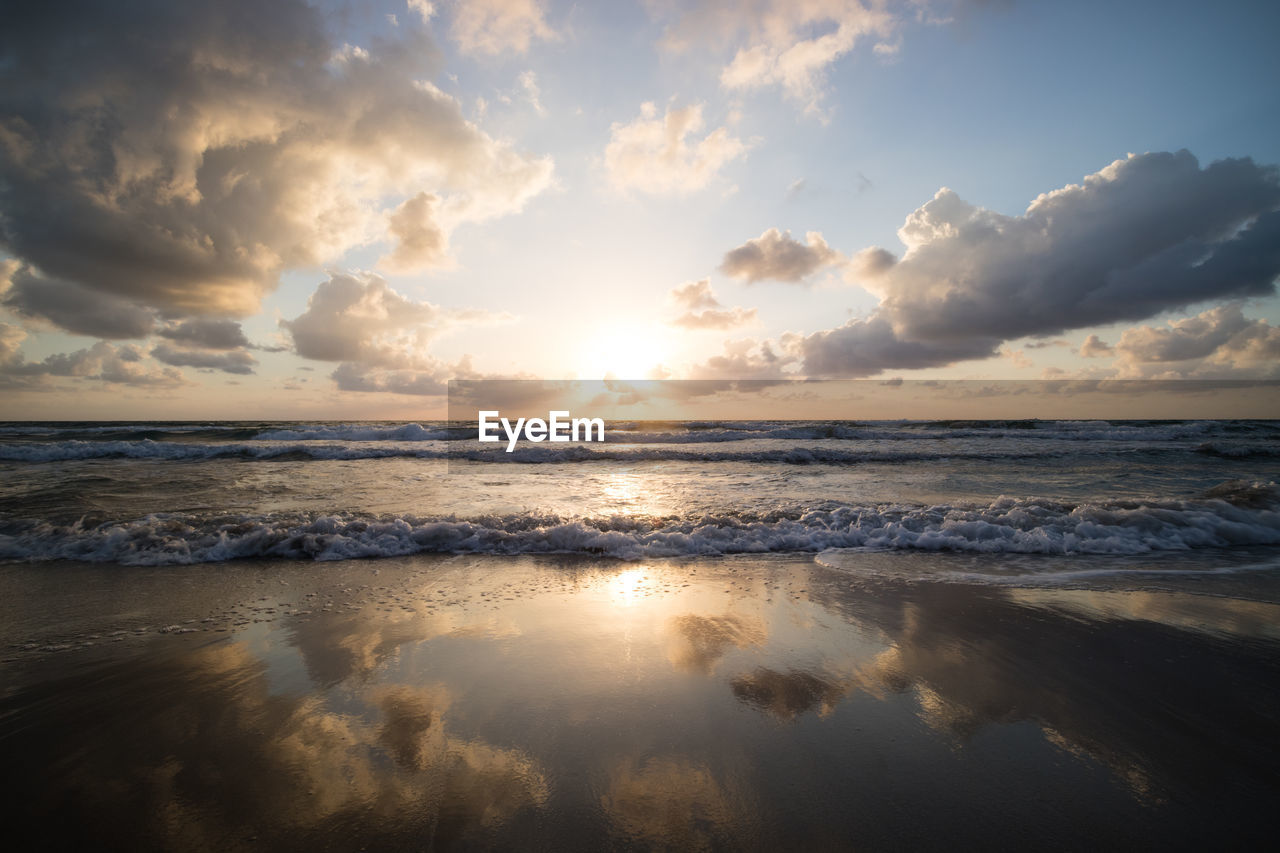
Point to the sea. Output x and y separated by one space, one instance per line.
1090 503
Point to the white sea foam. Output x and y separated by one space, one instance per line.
1006 525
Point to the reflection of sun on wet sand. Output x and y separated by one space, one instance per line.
570 703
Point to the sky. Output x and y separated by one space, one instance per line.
243 210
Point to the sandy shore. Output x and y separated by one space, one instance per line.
750 703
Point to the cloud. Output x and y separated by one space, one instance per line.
655 155
528 82
358 317
492 27
1057 342
224 145
780 43
703 311
351 376
1017 356
74 308
103 362
869 263
1146 234
206 333
424 9
745 358
1218 338
235 361
775 255
420 241
1095 347
11 338
8 269
379 335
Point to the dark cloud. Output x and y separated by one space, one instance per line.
775 255
704 311
74 308
1146 234
181 156
235 361
206 333
867 347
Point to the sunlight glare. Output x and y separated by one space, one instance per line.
625 351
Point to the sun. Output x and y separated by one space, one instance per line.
624 351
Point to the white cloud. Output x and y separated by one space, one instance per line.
492 27
381 337
1217 341
528 82
703 311
424 9
781 43
664 155
1095 347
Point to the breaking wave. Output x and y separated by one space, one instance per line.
1240 514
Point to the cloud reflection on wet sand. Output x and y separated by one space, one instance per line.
670 704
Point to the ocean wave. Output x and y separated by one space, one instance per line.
1006 525
1210 434
1237 450
530 454
350 432
710 432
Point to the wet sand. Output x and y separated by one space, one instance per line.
543 703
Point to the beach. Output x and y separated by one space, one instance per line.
696 635
567 703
